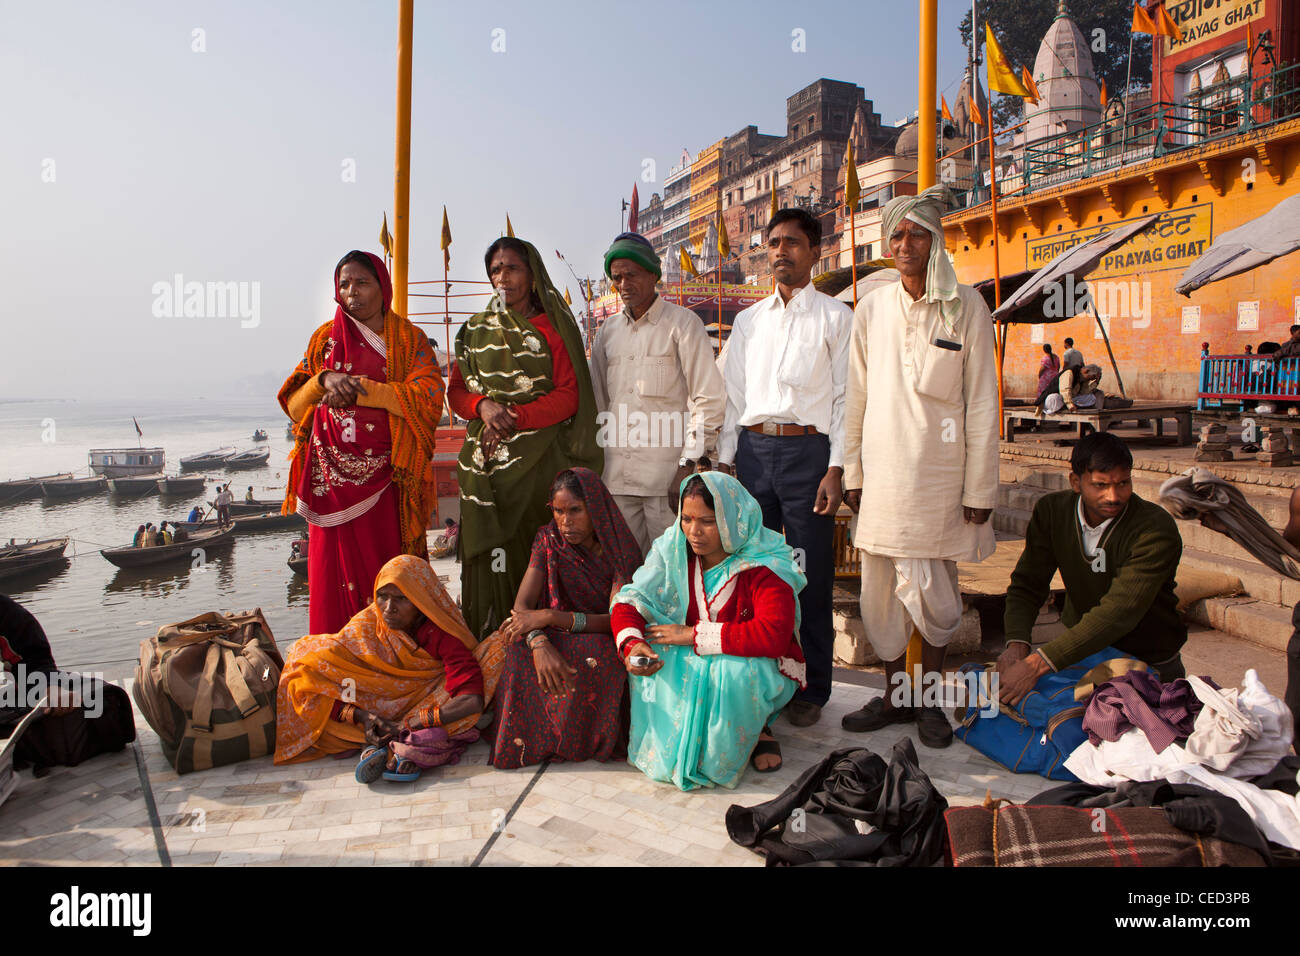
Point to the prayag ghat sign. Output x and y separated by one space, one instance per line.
1199 20
1172 242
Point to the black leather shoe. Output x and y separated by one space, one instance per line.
875 715
802 714
933 728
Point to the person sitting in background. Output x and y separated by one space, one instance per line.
709 629
1117 555
1291 347
248 496
1075 388
195 515
179 535
139 537
164 536
563 691
404 676
147 538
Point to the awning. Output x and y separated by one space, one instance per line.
1274 234
868 282
1026 302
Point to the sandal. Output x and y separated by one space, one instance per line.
766 747
401 776
371 764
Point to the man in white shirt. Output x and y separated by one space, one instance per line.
786 367
659 394
223 502
920 455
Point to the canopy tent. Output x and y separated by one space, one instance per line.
882 275
1260 241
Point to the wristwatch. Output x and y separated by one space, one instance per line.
682 463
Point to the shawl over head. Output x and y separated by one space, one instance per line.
565 561
415 579
414 377
502 355
661 588
927 209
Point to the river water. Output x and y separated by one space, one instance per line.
95 614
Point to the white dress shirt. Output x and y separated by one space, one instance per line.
1091 535
788 363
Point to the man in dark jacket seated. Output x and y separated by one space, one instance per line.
85 716
1117 555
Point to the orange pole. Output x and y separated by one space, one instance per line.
402 172
853 248
999 338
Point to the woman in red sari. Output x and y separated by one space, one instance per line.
365 402
563 688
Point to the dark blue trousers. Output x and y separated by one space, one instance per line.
782 473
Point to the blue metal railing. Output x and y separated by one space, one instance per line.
1244 378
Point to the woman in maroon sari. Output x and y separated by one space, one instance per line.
563 690
365 402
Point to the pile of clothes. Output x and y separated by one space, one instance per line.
1233 742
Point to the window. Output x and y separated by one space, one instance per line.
812 123
796 131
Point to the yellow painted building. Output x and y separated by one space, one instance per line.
704 191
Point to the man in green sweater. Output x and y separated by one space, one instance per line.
1117 555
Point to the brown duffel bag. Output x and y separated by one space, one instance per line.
207 687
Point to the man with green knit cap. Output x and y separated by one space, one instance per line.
659 395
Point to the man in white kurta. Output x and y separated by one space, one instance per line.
920 454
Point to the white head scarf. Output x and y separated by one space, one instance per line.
940 278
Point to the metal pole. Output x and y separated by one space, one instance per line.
975 150
1106 338
402 172
1123 139
927 95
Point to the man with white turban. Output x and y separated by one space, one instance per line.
920 455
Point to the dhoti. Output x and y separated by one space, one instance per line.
899 593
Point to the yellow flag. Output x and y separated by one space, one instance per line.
568 299
1142 22
724 244
445 242
1001 77
688 265
852 190
510 230
775 208
947 113
385 241
1030 85
1165 25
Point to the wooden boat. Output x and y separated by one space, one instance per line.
208 459
21 489
31 555
120 462
256 507
248 459
298 557
135 485
288 432
259 435
182 484
62 488
133 557
248 524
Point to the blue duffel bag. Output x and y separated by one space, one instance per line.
1038 734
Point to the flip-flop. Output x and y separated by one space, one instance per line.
371 764
764 747
403 777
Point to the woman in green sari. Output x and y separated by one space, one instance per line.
709 632
521 381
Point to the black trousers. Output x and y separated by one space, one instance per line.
782 473
1292 695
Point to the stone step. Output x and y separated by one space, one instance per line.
1256 622
1259 581
1019 497
1013 521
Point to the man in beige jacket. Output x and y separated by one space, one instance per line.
659 395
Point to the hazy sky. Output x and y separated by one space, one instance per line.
259 149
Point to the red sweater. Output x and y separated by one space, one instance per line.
549 409
752 615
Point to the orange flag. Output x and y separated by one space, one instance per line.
445 241
975 115
947 113
1142 22
1103 93
1165 25
1030 85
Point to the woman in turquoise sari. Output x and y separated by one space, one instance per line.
708 629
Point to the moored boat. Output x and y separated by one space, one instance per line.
61 488
298 557
31 555
135 485
256 507
259 435
248 524
248 459
21 489
133 557
120 462
207 459
182 484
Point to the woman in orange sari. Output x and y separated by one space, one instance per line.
404 676
365 402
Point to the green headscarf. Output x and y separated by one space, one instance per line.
636 248
660 590
502 355
940 278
